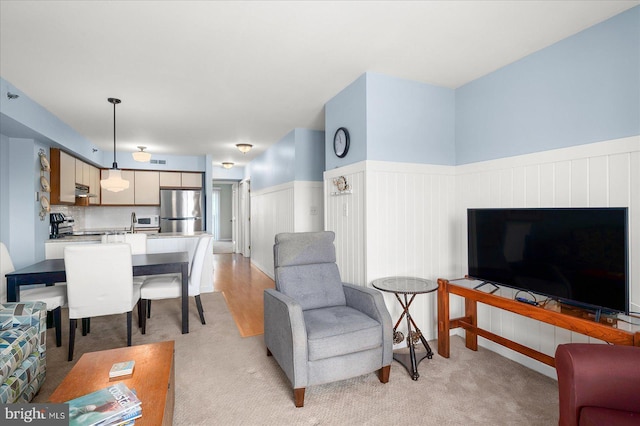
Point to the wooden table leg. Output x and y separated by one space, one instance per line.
185 298
443 318
471 312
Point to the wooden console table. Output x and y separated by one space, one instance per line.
620 333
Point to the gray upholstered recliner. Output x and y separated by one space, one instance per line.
318 328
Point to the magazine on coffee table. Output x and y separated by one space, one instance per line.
103 407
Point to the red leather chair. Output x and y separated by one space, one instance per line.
598 384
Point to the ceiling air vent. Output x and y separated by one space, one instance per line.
158 161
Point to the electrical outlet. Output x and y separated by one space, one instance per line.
314 211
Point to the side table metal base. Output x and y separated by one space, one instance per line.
403 356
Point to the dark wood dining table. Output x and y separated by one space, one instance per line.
52 271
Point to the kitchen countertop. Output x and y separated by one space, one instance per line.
94 237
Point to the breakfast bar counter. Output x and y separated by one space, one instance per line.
156 243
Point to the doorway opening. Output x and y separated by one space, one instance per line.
222 207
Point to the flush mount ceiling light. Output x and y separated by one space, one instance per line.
227 164
244 147
141 156
114 182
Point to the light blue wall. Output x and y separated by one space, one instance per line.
4 189
309 162
408 121
392 119
297 156
347 109
22 231
583 89
220 173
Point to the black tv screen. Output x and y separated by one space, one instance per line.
575 255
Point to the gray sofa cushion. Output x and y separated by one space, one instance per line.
340 330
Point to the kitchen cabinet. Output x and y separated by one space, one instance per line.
171 179
180 180
88 175
94 185
191 180
147 188
63 177
122 198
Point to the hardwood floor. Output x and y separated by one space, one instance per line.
242 286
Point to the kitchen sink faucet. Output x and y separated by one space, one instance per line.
134 220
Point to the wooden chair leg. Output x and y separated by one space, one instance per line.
149 308
57 321
200 311
143 325
383 374
298 396
85 326
139 305
72 337
129 321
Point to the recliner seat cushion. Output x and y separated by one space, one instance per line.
340 330
312 286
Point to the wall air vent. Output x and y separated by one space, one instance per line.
158 161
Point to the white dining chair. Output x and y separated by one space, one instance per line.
138 243
170 287
99 283
54 296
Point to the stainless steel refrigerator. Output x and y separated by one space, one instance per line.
180 210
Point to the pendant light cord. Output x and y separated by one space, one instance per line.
114 101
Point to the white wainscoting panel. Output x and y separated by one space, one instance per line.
345 215
410 219
403 218
291 207
272 212
605 174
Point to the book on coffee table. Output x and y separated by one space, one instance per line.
121 369
103 407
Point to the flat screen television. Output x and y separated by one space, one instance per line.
574 255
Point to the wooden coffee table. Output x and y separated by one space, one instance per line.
152 378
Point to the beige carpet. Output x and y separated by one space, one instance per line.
224 379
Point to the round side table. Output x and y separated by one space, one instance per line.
408 286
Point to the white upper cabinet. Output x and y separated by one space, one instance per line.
180 180
147 190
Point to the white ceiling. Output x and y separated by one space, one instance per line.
197 77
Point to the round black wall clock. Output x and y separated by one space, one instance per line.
341 142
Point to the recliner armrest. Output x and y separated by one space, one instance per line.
597 375
285 335
370 302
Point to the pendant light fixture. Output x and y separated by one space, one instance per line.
114 182
141 156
